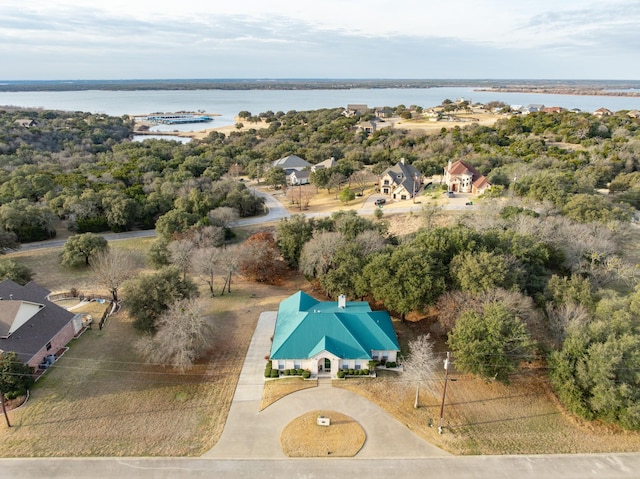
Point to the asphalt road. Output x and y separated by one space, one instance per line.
599 466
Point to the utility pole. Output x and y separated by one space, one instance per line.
444 392
4 409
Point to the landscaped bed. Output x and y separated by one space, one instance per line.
341 436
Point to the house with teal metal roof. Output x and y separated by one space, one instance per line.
326 336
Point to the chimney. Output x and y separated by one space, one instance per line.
342 301
402 160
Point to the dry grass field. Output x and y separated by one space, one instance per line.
101 400
277 389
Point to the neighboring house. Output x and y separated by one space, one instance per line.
464 178
295 178
326 336
401 182
26 122
368 127
31 325
353 110
382 112
291 162
533 108
600 112
553 109
330 163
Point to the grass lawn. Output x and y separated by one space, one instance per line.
101 400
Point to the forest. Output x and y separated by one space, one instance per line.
541 273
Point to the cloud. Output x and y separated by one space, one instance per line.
332 38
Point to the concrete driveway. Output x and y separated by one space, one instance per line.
251 434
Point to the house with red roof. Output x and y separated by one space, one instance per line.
463 178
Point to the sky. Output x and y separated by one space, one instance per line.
431 39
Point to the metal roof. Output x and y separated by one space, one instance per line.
306 327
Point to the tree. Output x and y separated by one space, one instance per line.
595 372
404 279
16 272
210 262
347 195
149 295
492 344
15 376
292 234
259 259
78 249
362 178
276 177
111 268
8 241
482 271
181 252
182 336
421 365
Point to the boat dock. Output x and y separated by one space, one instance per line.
178 118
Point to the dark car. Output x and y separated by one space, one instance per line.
380 201
450 194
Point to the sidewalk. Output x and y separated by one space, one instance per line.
249 434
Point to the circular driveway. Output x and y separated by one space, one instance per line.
251 434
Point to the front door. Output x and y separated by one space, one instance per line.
327 365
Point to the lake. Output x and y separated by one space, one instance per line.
227 103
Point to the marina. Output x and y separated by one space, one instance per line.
177 118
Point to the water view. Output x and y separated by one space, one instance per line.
226 104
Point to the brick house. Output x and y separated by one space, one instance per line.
464 178
31 325
401 182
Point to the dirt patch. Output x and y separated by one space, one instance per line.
303 437
275 390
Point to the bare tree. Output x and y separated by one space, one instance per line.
317 254
111 268
208 236
563 316
205 263
432 212
362 178
181 251
421 366
223 216
182 336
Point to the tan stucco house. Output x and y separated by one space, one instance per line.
463 178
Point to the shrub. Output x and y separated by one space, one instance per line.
269 365
366 372
373 364
391 364
306 374
350 372
275 373
340 374
267 373
287 372
300 371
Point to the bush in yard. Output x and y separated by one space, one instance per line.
267 372
340 374
373 364
275 373
299 371
350 372
391 364
287 372
306 374
366 372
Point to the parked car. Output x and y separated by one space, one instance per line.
450 194
380 201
